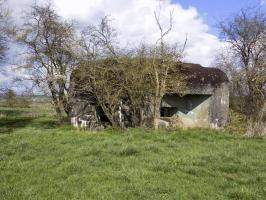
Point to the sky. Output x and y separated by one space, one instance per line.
213 11
135 23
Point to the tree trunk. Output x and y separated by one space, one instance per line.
57 102
141 117
59 112
156 111
110 115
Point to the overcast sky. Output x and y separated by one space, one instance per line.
134 22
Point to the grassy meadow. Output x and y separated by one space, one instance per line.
40 159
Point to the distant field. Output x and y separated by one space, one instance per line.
40 159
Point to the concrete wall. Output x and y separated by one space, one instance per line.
219 107
191 110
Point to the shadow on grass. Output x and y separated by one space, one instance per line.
11 112
9 125
45 123
12 119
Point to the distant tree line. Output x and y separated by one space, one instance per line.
11 99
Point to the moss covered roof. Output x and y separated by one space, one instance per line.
196 75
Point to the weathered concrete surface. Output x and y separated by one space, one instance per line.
191 110
208 109
162 123
219 106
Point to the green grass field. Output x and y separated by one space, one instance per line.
40 159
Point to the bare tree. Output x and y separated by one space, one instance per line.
50 58
3 29
99 41
165 72
227 62
246 35
110 74
99 73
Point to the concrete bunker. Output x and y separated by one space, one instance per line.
204 103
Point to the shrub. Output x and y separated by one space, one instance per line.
237 122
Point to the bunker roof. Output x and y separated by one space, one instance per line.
196 75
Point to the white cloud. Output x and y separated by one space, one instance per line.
134 22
